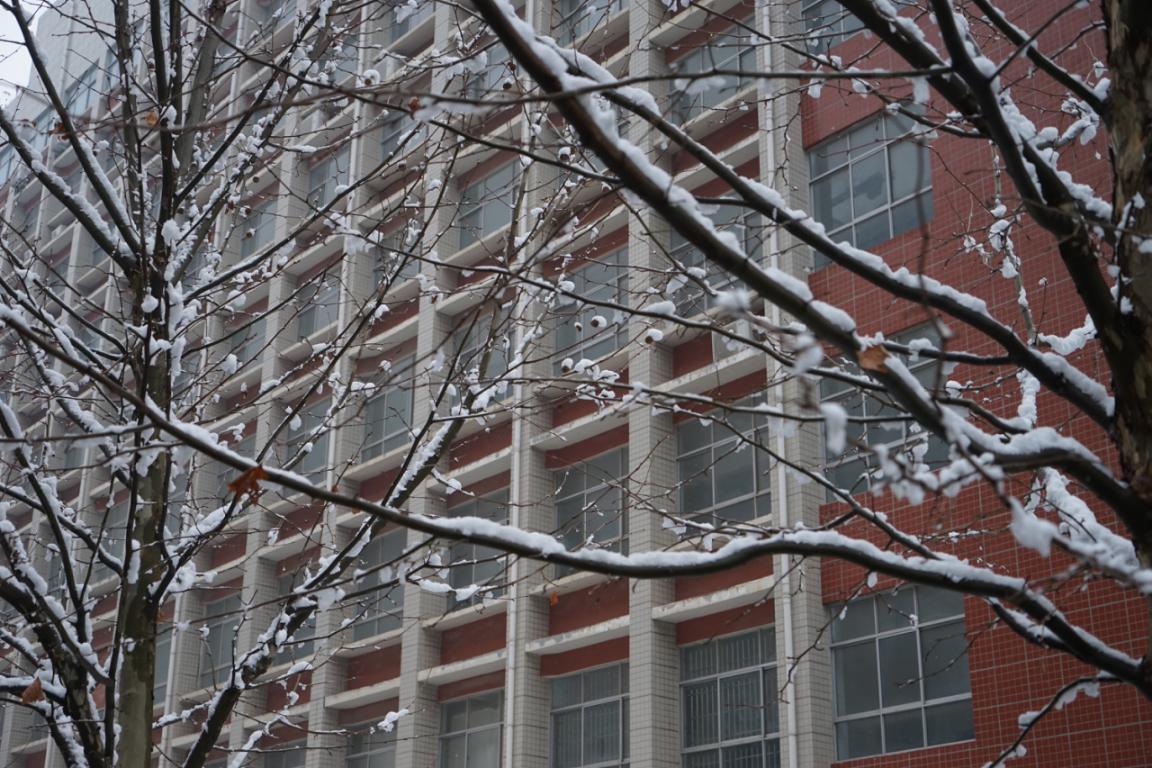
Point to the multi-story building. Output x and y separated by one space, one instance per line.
763 665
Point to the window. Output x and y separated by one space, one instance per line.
470 731
326 175
406 16
590 503
728 702
163 662
483 340
587 331
223 618
113 540
303 642
474 564
290 754
247 339
341 60
487 71
393 260
225 474
852 470
303 439
900 672
81 94
721 478
319 301
258 229
383 607
369 747
265 11
577 18
689 296
486 205
7 157
730 50
590 718
388 413
400 130
828 24
871 183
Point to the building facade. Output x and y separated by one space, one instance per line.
781 662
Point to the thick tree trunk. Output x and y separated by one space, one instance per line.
1130 61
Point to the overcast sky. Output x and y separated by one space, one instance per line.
14 63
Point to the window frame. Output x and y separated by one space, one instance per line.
836 28
376 619
469 731
399 383
483 203
303 642
725 440
590 494
312 416
690 298
891 131
216 647
874 638
621 697
576 18
765 669
370 747
726 49
319 297
831 391
326 174
464 556
574 311
263 226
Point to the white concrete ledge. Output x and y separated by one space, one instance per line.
579 638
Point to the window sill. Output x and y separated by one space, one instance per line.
847 761
605 29
468 614
711 118
306 345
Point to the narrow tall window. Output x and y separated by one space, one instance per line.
370 748
729 50
388 413
474 565
590 509
327 175
303 641
722 476
400 132
486 205
163 662
590 718
852 469
222 619
306 439
319 301
576 18
383 604
470 731
588 331
871 183
258 229
728 702
827 24
900 672
689 295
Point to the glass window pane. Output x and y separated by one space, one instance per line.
566 739
735 472
831 203
866 138
484 749
858 738
895 611
484 709
565 691
949 722
829 155
908 162
744 756
912 214
873 231
695 483
740 708
899 670
857 689
855 619
709 759
601 683
903 730
771 702
700 714
697 661
945 660
935 603
869 184
454 716
739 651
454 752
602 732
